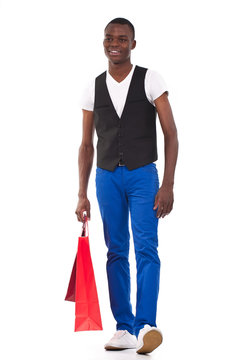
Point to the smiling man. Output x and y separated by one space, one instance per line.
122 104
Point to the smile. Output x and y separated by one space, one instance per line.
114 52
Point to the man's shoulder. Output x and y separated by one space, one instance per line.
148 71
102 75
90 84
142 69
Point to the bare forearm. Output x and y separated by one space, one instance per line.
171 153
85 161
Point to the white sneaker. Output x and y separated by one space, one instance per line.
149 338
122 339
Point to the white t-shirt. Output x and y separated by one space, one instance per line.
155 86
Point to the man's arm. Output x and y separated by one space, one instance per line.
85 161
164 198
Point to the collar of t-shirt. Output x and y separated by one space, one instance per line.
118 90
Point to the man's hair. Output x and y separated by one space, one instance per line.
122 21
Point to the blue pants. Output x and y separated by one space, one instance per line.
119 192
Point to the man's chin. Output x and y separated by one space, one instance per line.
114 61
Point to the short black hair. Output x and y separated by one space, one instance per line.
122 21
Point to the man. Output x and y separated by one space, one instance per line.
121 105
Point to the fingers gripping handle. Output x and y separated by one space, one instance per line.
85 225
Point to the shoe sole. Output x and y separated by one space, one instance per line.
117 348
151 341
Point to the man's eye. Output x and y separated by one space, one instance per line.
123 40
108 39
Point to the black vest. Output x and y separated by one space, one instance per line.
132 137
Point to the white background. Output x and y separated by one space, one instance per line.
49 50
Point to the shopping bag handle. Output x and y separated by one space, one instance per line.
85 225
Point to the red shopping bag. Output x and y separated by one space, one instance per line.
82 287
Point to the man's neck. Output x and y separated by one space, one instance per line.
119 71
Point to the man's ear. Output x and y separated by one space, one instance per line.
134 43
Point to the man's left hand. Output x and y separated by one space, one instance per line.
164 201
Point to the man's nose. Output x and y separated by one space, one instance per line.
115 42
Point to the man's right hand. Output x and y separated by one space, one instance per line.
83 205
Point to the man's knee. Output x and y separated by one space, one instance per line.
147 254
120 254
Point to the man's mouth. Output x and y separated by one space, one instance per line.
114 52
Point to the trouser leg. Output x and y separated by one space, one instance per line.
114 211
143 185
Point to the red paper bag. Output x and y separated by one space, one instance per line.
82 287
72 283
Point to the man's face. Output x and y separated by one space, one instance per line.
118 43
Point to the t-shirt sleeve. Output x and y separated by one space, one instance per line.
155 85
87 98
